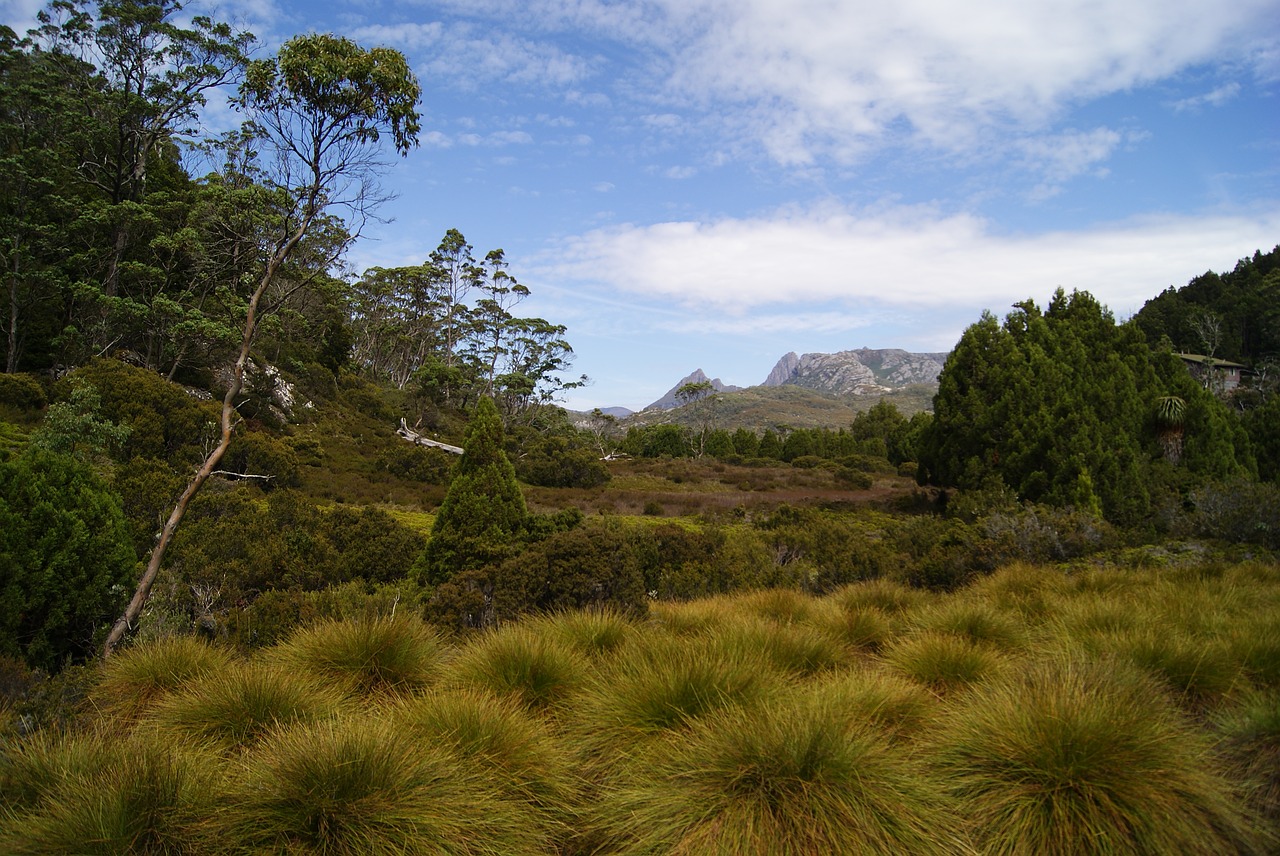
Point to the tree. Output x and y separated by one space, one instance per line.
319 107
1063 407
701 399
483 511
65 559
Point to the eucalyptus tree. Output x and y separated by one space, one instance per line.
319 110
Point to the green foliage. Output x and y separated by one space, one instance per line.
259 453
557 460
519 664
76 428
1061 406
65 562
585 567
483 512
164 422
1245 300
21 392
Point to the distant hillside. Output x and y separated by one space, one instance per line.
669 400
859 372
760 407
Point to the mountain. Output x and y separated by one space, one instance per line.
864 371
669 401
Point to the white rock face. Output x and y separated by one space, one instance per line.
857 372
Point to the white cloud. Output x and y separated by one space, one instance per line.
602 186
1214 98
816 79
680 173
907 258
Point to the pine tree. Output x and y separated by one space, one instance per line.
483 511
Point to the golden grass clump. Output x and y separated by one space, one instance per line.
373 657
660 685
235 708
1030 591
888 596
361 787
593 633
1250 742
944 661
862 628
787 779
522 664
515 748
115 796
136 678
900 707
1073 758
794 649
974 620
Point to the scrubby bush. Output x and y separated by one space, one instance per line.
21 392
583 567
66 561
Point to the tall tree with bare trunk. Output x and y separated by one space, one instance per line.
318 110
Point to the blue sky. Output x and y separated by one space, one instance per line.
713 183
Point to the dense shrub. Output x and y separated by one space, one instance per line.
66 565
22 392
583 567
554 460
164 421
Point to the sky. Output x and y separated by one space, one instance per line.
711 184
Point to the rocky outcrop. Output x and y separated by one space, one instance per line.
858 372
669 400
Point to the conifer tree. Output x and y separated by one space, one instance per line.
483 511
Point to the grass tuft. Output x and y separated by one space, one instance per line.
374 657
944 661
792 778
135 679
521 664
362 787
1077 758
237 707
136 796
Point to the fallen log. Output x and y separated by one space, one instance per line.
417 439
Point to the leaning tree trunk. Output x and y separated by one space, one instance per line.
140 595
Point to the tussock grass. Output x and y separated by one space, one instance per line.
662 685
237 707
1197 670
797 650
522 664
31 768
595 633
1027 590
944 661
786 778
691 618
862 628
375 657
361 787
886 595
900 707
135 679
133 796
784 606
1254 643
1078 758
515 749
1250 741
974 621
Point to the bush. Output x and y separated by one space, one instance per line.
21 392
587 567
66 564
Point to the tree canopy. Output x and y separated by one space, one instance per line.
1061 406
